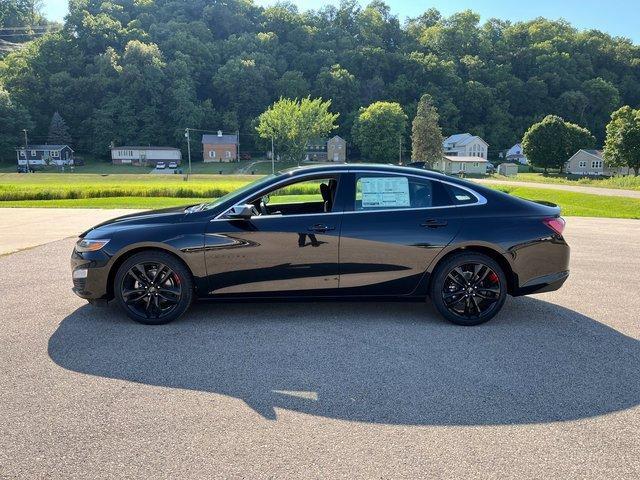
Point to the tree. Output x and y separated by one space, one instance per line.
378 131
426 135
58 131
292 123
550 143
13 118
622 145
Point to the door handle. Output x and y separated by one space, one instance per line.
434 223
320 228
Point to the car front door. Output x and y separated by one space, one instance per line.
290 247
394 226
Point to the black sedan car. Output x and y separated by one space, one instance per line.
354 231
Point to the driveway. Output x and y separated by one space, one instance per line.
548 389
22 228
613 192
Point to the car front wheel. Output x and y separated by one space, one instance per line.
153 288
468 288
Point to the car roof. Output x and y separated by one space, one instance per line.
367 167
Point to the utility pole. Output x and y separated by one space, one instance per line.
238 145
188 150
26 155
273 158
400 150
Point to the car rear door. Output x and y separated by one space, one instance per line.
394 226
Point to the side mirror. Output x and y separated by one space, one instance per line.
241 211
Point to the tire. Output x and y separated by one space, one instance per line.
454 296
145 295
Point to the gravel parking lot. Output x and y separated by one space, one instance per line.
549 388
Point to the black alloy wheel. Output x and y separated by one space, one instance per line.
469 289
153 288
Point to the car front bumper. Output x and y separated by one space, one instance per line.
90 274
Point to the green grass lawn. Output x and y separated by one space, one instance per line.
106 167
624 183
157 191
579 204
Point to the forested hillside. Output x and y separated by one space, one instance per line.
140 71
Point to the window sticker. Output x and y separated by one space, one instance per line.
385 192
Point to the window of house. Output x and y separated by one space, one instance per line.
582 164
228 154
463 167
212 154
475 164
383 192
596 164
22 153
55 153
33 153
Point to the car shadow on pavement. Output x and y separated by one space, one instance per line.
388 363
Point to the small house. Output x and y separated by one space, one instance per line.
515 155
219 148
508 169
591 162
45 155
465 145
461 164
144 156
323 150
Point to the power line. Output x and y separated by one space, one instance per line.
32 27
32 34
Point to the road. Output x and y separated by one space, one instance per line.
613 192
549 389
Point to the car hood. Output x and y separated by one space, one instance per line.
149 217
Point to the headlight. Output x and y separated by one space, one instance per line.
85 245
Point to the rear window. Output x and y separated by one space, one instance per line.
460 196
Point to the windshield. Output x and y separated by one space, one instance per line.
256 183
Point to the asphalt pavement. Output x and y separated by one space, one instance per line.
548 389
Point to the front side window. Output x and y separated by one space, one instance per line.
212 154
312 196
384 192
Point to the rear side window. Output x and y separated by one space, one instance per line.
383 192
461 196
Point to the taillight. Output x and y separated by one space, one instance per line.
556 224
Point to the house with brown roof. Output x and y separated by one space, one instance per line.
461 164
591 162
219 148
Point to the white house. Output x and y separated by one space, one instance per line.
465 145
515 155
144 156
591 162
459 164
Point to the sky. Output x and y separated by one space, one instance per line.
616 17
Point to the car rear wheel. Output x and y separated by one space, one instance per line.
153 288
468 288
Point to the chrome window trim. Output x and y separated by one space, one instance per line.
481 199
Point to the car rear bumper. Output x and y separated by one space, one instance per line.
545 283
